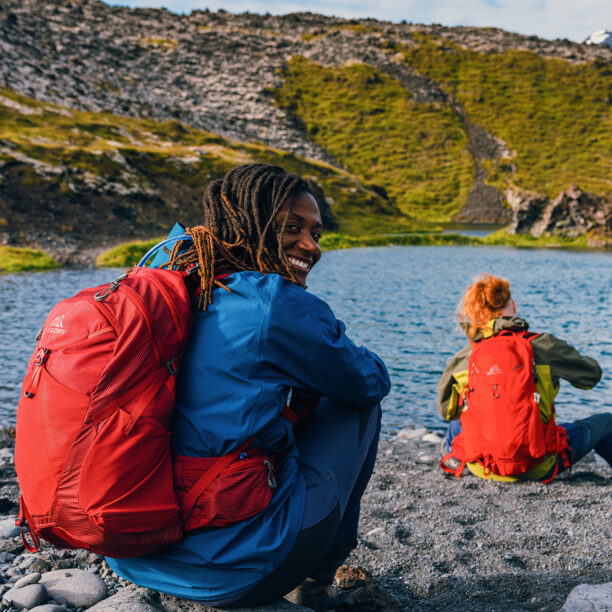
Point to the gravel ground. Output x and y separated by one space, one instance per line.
436 542
427 541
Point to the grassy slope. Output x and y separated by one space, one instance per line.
367 120
555 116
167 157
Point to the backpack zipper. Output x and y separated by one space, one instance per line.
32 386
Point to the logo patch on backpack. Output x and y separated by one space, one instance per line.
494 369
56 326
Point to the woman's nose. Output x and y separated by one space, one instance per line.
309 244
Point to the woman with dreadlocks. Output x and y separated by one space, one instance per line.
262 352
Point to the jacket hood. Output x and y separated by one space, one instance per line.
494 326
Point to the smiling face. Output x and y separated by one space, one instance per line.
302 233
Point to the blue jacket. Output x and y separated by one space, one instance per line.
245 353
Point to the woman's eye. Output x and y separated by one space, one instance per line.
292 227
316 236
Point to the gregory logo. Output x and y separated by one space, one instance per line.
57 326
494 369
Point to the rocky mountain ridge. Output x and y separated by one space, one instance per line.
212 70
217 72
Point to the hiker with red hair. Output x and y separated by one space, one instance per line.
498 394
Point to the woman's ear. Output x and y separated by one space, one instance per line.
510 309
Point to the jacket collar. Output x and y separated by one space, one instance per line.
494 326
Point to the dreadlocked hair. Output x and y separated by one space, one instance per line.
239 230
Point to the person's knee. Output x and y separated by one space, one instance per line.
596 425
371 417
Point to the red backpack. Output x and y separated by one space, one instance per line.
502 429
93 454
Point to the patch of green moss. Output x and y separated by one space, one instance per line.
554 115
358 28
367 120
333 241
125 255
14 259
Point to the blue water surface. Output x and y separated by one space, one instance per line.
398 301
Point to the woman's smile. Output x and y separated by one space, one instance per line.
302 231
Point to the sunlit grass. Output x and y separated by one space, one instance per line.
368 121
169 159
127 254
554 115
14 259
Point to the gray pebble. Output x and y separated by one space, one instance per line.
432 438
8 529
27 562
13 571
49 608
424 458
26 597
80 588
32 578
409 434
586 597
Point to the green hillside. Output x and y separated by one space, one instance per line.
369 122
555 116
113 177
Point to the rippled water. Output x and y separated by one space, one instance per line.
398 301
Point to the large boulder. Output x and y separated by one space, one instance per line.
589 598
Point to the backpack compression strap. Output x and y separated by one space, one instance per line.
457 473
24 520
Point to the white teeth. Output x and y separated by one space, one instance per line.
300 265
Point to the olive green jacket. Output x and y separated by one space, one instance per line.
554 359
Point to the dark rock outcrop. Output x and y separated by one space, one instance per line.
572 213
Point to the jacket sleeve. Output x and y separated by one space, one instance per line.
304 345
566 362
454 379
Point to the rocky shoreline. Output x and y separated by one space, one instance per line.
427 542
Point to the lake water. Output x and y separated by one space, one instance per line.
398 301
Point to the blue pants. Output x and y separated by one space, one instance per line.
592 433
337 455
